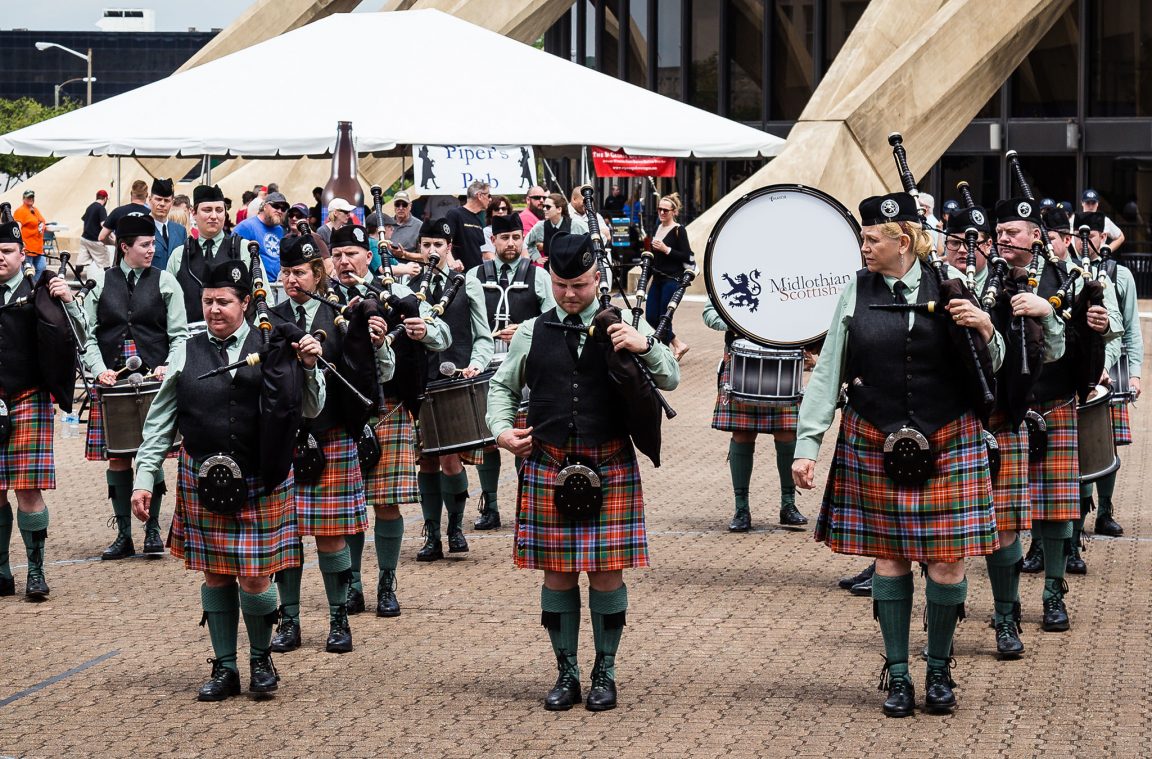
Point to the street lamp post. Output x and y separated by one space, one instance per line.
42 46
58 87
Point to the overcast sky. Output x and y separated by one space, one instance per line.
82 15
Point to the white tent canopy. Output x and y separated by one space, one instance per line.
573 105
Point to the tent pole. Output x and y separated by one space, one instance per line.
207 169
119 200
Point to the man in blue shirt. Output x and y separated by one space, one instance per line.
265 228
169 234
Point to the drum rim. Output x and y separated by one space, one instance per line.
724 218
484 376
797 350
1101 399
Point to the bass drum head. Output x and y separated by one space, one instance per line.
777 261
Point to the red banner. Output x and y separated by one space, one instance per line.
613 163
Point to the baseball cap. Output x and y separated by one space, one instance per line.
401 196
275 197
101 193
339 204
1091 196
29 193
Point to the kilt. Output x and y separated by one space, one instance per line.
1055 481
1121 427
393 481
615 540
259 541
475 457
335 505
733 414
865 513
26 461
1010 494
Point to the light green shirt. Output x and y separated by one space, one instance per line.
506 388
177 257
1133 340
822 393
160 425
75 313
170 291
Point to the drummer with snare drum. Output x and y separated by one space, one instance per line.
391 480
514 291
137 319
443 479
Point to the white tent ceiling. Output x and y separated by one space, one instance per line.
244 104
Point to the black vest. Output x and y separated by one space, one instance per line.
898 376
550 232
1057 379
139 315
220 414
522 303
570 397
19 365
331 349
194 268
458 317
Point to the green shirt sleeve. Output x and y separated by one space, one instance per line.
822 394
174 261
483 346
712 319
93 359
505 388
173 296
160 424
1053 327
1130 314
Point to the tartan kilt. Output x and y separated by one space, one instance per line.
393 481
475 457
259 541
335 505
1010 494
865 513
615 540
734 414
26 460
1121 426
1055 481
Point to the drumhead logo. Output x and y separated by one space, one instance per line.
1024 209
745 292
889 208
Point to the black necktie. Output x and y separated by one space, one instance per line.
3 292
571 336
504 275
301 317
131 281
437 288
208 250
898 290
222 347
164 234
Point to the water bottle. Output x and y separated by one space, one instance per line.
72 425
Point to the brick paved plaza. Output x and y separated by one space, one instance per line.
736 645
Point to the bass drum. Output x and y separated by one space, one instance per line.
776 263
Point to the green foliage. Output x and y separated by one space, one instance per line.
17 114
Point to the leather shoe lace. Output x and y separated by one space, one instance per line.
602 694
1008 643
287 637
264 678
566 692
938 695
901 701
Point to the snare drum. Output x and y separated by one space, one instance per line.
123 408
195 328
1121 378
452 416
1096 444
765 375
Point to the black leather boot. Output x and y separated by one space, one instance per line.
386 603
7 585
790 516
938 695
224 682
287 637
846 583
1008 643
489 518
339 633
741 521
263 678
153 543
901 701
566 692
432 549
1034 559
1055 613
122 547
1075 564
355 600
456 540
602 694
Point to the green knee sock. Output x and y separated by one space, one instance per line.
488 471
259 611
34 530
945 609
1105 487
609 612
740 456
336 569
120 492
892 608
389 534
451 488
1004 575
785 452
560 614
5 538
288 584
222 615
430 503
1055 536
158 491
355 555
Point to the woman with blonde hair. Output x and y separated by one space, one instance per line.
909 478
672 253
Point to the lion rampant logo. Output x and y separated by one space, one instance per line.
745 292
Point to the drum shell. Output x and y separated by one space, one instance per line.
1096 445
124 409
765 375
452 415
1120 374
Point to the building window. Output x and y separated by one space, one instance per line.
841 17
793 78
745 38
703 89
1044 84
1120 59
668 47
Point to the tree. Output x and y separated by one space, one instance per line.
17 114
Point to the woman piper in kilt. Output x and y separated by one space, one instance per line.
576 423
331 505
27 465
134 310
940 513
745 420
226 523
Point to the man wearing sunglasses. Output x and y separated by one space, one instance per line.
534 211
267 230
406 232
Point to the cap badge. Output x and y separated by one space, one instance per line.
358 234
445 229
1024 209
16 232
236 274
889 208
978 218
307 249
586 259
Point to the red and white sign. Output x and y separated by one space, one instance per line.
613 163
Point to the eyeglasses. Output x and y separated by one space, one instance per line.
503 209
663 210
536 197
548 207
400 204
281 207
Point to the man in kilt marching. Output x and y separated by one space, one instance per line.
392 480
573 439
745 420
134 310
27 465
227 523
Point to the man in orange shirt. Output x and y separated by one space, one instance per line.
31 231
